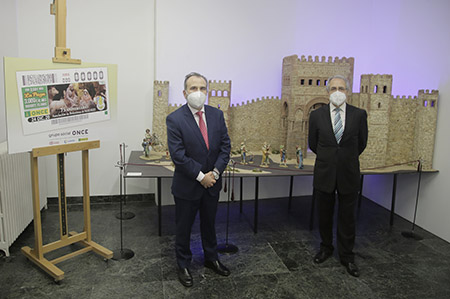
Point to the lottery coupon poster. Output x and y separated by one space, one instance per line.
55 103
53 99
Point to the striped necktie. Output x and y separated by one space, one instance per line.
202 127
338 128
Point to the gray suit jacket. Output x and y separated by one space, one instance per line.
337 165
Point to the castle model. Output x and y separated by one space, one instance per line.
401 129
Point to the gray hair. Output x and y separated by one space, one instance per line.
194 74
347 83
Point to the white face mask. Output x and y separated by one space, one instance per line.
196 99
337 98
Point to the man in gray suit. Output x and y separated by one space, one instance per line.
337 135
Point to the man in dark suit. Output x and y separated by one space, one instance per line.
337 135
200 149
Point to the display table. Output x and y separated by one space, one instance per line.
139 168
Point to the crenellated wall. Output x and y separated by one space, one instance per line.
401 129
376 84
255 122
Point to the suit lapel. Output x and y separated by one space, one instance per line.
190 120
209 124
348 120
329 121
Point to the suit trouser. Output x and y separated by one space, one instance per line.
186 211
345 222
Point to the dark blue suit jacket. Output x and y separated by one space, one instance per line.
189 153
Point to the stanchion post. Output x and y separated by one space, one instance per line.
228 248
412 234
122 253
121 164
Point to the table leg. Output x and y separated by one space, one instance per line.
240 193
158 190
290 192
255 228
360 191
311 216
394 191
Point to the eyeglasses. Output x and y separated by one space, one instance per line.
340 88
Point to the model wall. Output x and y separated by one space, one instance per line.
378 122
256 122
425 129
160 109
402 126
401 129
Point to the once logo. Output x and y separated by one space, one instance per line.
80 132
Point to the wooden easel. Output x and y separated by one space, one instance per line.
62 54
36 255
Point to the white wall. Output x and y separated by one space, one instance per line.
8 47
115 32
245 41
417 40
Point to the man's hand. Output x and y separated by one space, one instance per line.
208 181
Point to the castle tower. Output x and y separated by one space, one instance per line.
375 98
425 129
402 125
220 97
160 109
303 90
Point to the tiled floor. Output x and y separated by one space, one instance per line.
274 263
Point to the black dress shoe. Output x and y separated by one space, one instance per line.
321 256
185 277
217 267
352 269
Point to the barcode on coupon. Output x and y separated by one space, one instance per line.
70 119
40 79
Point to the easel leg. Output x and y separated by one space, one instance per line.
36 255
37 251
